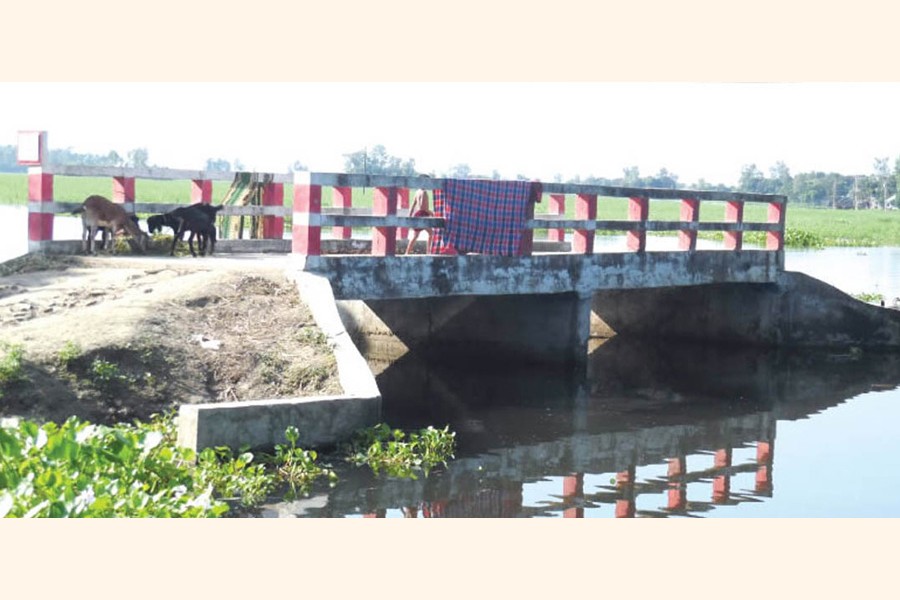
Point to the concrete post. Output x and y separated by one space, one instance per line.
123 190
306 228
201 191
557 207
342 197
764 461
722 483
384 239
40 224
273 226
585 209
677 487
625 506
734 213
690 212
775 239
573 489
402 208
638 210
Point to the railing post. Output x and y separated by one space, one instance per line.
734 213
526 242
403 208
677 487
201 191
123 190
273 226
384 239
573 490
557 206
690 212
775 239
342 197
722 483
625 505
40 224
638 210
764 461
585 209
306 227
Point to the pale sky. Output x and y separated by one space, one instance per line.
540 130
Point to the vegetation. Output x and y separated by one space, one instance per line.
399 454
78 469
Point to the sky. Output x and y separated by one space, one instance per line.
546 131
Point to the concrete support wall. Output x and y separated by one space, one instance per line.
550 328
796 310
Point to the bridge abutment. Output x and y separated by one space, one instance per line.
548 328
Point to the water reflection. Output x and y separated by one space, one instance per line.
647 431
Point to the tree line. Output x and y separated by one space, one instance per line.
877 189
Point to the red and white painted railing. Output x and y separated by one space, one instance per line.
391 195
42 205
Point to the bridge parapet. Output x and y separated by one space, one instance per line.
392 193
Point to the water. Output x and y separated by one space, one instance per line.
673 431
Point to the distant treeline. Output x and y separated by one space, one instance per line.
834 190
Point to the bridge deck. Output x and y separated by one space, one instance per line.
395 277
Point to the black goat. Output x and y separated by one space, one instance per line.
198 218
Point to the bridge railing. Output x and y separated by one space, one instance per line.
43 206
391 195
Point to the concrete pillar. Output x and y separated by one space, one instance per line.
625 507
764 460
690 212
585 209
273 226
722 483
526 242
384 239
306 228
677 486
573 490
402 208
734 213
775 239
40 224
557 207
201 191
638 210
342 197
123 190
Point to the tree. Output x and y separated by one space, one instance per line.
752 179
378 162
138 157
217 164
460 171
298 166
782 182
631 177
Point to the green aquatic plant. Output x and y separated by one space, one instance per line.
401 454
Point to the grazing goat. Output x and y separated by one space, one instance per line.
199 219
105 233
97 212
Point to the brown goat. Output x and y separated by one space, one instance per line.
97 211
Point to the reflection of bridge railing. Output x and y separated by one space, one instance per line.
623 494
392 193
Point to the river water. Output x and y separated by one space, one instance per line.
650 431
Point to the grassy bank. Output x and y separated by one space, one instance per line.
806 226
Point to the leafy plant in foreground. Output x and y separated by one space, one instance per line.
399 454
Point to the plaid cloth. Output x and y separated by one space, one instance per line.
482 215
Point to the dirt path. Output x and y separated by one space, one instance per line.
115 338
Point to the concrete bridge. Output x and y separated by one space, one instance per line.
543 302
